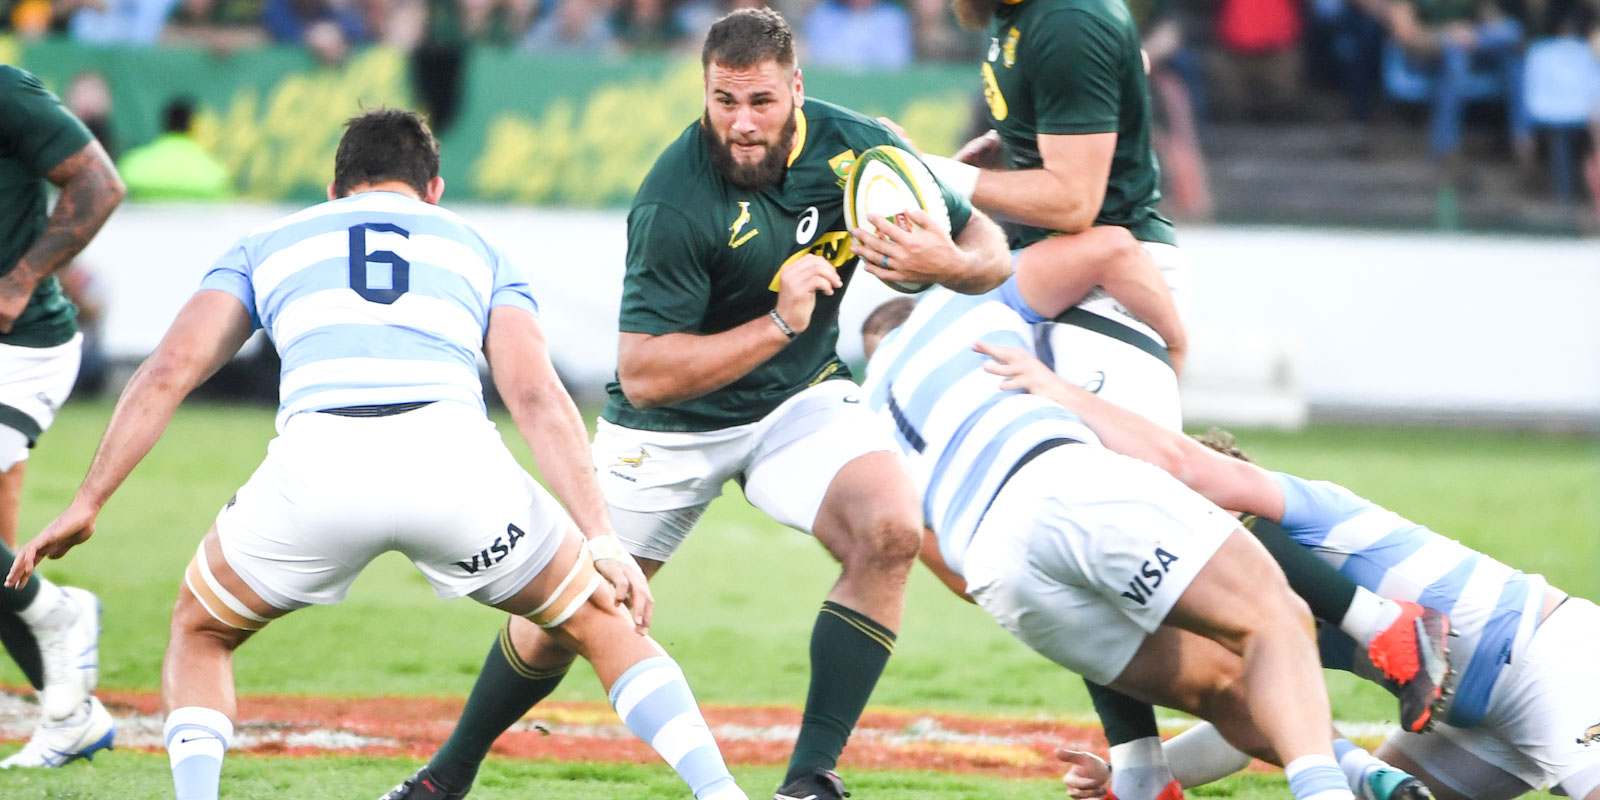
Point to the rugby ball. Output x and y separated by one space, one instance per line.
889 181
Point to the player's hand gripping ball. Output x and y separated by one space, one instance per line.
889 181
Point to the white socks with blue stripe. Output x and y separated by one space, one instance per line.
655 703
1317 778
197 737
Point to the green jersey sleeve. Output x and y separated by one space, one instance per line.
668 283
34 126
1077 88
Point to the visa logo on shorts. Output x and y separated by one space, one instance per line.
1155 570
494 553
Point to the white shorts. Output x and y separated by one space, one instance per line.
1101 347
1084 552
34 382
1543 723
435 483
657 482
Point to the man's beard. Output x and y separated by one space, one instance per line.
974 15
750 177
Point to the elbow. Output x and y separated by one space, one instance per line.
115 192
641 391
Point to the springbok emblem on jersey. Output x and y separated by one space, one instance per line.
633 461
1590 735
734 239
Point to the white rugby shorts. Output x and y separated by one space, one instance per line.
1543 723
1108 351
657 482
34 382
1084 552
435 483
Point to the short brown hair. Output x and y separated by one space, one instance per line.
389 144
1222 441
888 316
747 37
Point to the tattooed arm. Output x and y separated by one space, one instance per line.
90 190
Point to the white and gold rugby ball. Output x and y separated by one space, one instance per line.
889 181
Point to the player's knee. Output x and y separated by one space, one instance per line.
884 542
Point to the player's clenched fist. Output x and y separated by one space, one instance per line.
798 285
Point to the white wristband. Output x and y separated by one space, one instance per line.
956 176
607 546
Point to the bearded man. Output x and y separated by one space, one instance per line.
738 256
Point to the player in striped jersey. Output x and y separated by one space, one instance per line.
380 304
1099 562
1525 711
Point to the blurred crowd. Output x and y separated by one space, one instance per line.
1526 68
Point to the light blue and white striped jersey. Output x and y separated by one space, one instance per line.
371 299
1493 608
960 433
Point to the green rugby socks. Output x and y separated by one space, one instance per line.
848 654
15 634
506 688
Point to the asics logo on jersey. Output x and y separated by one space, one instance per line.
494 553
1591 735
1153 570
807 227
734 239
632 461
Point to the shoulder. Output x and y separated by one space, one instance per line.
829 121
1084 16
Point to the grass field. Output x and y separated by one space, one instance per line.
735 607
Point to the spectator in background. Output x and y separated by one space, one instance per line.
219 25
1345 45
30 19
937 37
88 97
79 284
646 26
324 27
572 26
1173 130
175 166
1449 39
858 34
1255 69
451 27
127 22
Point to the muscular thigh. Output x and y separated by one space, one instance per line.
803 444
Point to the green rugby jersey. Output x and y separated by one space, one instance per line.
703 257
36 134
1068 67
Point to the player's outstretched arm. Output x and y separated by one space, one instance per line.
973 262
1230 483
551 425
1064 195
1056 274
90 191
212 326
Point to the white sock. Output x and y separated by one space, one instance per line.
49 608
1139 769
1356 763
1317 777
197 738
1200 755
1367 616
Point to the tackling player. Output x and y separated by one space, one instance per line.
737 259
51 631
380 303
1526 707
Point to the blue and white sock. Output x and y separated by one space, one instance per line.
1357 765
655 703
197 737
1317 778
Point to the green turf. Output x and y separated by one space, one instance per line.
736 604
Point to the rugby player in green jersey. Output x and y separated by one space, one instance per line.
51 631
1070 151
738 255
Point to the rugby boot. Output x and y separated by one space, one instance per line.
1388 783
819 784
55 743
424 786
1413 655
69 647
